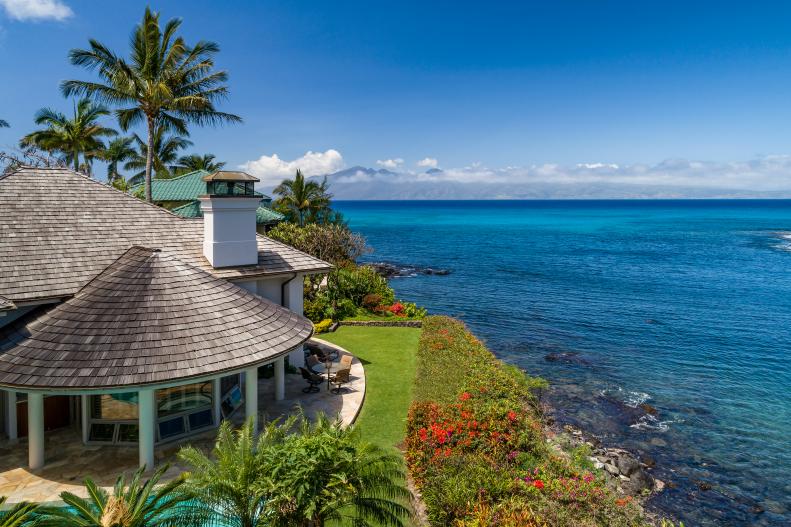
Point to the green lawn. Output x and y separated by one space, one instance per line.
388 355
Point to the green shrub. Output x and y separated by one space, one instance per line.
323 326
355 283
318 308
335 244
371 301
476 449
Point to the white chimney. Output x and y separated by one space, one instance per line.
229 235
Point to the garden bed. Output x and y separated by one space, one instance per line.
477 449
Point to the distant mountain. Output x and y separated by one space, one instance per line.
361 183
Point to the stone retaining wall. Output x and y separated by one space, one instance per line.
383 323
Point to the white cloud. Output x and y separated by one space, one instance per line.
764 176
427 162
36 9
391 164
271 169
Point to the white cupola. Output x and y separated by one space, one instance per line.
229 235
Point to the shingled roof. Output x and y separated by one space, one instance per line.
59 229
147 318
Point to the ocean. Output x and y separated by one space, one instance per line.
664 327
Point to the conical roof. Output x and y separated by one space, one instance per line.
148 318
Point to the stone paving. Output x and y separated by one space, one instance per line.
69 461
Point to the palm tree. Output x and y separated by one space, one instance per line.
138 504
165 82
165 154
3 124
230 483
326 473
195 162
117 151
20 515
73 137
301 199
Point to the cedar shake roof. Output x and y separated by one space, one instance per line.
59 229
147 318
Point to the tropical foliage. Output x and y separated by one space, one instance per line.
117 151
137 503
477 451
333 243
165 154
78 140
3 124
297 474
164 83
304 201
20 515
195 162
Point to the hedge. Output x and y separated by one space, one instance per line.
477 450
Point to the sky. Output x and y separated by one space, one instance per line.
683 94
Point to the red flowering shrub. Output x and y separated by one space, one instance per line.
476 449
397 309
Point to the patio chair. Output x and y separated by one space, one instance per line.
346 362
325 354
313 363
314 381
340 378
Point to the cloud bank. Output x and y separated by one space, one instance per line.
768 176
271 170
391 164
36 9
427 162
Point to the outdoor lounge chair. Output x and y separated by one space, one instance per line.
346 362
314 381
340 378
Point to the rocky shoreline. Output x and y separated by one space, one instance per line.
393 270
628 474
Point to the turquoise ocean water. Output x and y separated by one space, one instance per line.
682 305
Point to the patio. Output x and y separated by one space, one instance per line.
69 461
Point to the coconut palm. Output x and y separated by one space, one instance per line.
301 199
116 152
165 154
3 124
138 504
164 82
195 162
20 515
72 138
231 483
326 473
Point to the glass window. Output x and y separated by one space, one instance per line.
171 427
201 419
227 383
180 399
127 433
116 406
102 432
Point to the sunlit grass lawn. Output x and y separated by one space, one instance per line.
388 355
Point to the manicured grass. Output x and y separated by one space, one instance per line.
389 356
365 315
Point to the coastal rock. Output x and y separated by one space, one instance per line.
648 461
611 469
627 465
703 485
567 357
638 483
392 270
647 408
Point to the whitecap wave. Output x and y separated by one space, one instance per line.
785 241
650 422
632 399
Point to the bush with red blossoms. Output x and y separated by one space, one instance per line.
476 448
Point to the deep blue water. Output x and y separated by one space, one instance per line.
684 305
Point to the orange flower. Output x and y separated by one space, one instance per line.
512 415
465 396
538 484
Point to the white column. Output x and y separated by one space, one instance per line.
35 430
11 426
251 395
216 395
280 379
85 418
146 418
294 300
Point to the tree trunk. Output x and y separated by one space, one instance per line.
76 161
149 158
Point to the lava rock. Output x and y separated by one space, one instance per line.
647 408
627 465
703 485
638 482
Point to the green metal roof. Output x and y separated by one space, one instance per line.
182 188
263 215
